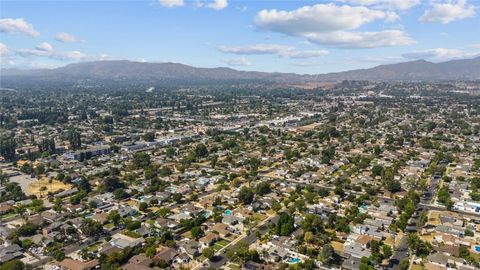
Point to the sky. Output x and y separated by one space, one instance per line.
274 36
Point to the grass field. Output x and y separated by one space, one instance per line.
93 247
7 215
43 186
258 217
220 244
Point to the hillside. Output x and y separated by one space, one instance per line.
122 70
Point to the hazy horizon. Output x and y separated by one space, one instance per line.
305 37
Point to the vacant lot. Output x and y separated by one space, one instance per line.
43 186
23 180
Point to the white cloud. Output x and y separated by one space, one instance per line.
308 63
242 8
474 46
329 24
346 39
67 38
6 62
241 61
213 4
69 55
104 56
448 11
44 46
46 50
6 59
19 25
39 65
3 49
318 18
379 59
441 54
273 49
385 4
218 4
171 3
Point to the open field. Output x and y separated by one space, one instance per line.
43 186
309 127
24 181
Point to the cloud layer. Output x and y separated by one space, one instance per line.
441 54
217 4
3 49
17 26
385 4
448 11
46 50
213 4
273 49
171 3
332 25
67 38
241 61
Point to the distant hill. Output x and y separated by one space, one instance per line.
122 70
421 70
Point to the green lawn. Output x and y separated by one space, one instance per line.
109 226
7 215
94 247
220 244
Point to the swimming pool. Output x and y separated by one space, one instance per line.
228 212
171 189
477 249
293 260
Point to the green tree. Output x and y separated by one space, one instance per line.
393 186
74 138
3 178
8 146
13 265
444 197
114 217
262 188
208 253
149 136
246 195
141 160
387 251
47 145
285 225
142 206
377 170
327 253
91 228
197 232
240 254
201 150
404 264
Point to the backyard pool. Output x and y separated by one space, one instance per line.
228 212
477 249
293 260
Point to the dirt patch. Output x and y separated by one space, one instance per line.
43 186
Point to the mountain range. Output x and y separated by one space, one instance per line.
123 70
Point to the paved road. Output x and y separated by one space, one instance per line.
402 252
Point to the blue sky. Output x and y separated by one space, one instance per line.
283 36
